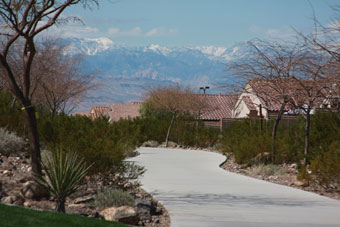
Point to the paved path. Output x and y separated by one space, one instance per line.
196 192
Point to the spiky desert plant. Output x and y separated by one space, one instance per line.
63 172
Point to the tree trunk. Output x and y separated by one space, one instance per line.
261 119
307 132
60 207
169 130
33 135
274 131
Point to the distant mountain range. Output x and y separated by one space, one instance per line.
125 73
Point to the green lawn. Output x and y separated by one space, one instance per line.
20 216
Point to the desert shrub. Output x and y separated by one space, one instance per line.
126 176
96 141
325 130
303 174
326 167
245 140
11 116
10 143
109 197
266 170
63 173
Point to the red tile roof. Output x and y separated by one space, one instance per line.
98 111
218 106
124 111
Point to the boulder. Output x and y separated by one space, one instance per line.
117 213
32 190
19 200
145 209
13 199
84 199
8 199
301 183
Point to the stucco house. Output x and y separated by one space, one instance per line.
250 104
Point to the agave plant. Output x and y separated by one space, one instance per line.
63 172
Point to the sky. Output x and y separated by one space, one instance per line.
195 22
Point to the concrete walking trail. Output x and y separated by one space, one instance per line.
196 192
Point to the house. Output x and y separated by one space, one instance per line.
98 111
261 98
123 111
217 107
266 97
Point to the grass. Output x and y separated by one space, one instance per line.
12 216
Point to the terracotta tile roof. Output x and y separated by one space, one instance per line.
124 111
98 111
218 106
249 103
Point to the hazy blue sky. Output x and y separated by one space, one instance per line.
196 22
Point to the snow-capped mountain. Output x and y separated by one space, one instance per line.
88 46
125 73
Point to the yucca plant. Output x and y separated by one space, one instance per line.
63 172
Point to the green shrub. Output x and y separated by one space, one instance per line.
326 167
303 174
109 197
126 176
10 143
11 117
63 173
97 141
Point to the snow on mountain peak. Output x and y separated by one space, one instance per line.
157 48
212 50
106 43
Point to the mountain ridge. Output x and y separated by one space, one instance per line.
124 73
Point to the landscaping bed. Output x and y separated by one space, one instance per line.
17 187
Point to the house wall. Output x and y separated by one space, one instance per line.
241 110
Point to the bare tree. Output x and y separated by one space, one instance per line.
267 71
60 85
312 86
56 78
175 100
22 21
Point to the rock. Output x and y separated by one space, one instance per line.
19 200
132 220
0 187
301 183
8 199
77 206
84 199
32 190
117 213
293 166
27 204
244 166
145 209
